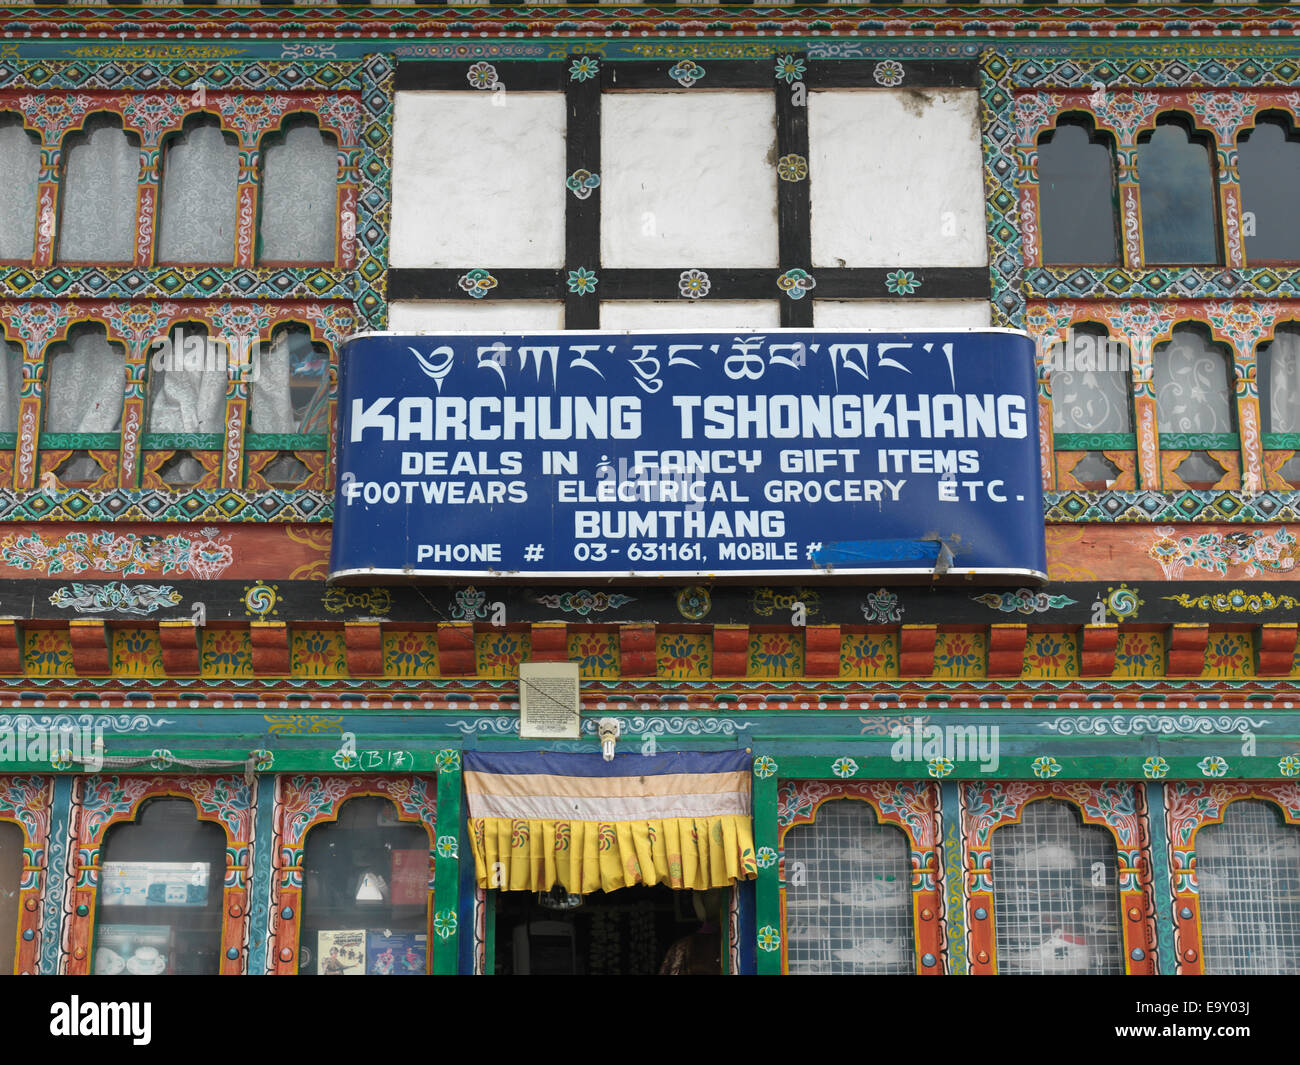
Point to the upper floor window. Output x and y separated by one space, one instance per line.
1091 388
101 181
199 194
291 384
1279 381
1176 186
11 383
1268 166
86 382
1193 385
20 164
187 388
11 875
300 175
1076 195
1056 894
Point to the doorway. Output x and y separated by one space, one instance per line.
635 931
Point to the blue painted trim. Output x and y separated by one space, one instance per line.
261 881
1161 892
954 881
56 877
748 928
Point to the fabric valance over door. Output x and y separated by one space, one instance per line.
541 819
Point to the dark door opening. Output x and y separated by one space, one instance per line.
630 932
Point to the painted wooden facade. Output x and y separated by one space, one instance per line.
1149 684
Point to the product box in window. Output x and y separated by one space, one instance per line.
395 954
132 950
154 884
410 879
341 952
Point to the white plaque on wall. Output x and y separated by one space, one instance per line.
548 700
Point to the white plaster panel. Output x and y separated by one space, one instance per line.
902 314
740 315
896 178
476 184
687 179
433 316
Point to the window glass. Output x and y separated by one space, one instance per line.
1279 381
1193 385
1055 895
1076 196
1248 885
20 164
86 382
365 894
11 875
160 895
199 195
851 911
291 382
101 180
1268 165
299 194
11 383
1176 185
1091 391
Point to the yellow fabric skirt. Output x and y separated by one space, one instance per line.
695 853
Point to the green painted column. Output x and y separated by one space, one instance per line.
768 892
446 865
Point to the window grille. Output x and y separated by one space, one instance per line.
848 894
1055 895
1248 881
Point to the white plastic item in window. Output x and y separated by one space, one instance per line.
299 195
87 383
199 193
20 160
289 388
187 400
100 184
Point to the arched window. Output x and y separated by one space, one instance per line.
187 382
300 183
1056 894
160 896
291 383
1092 401
11 875
850 911
200 185
1279 381
11 384
85 382
1176 185
1194 403
101 180
1268 164
1076 195
20 164
365 895
1248 885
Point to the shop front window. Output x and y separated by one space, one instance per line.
365 895
160 894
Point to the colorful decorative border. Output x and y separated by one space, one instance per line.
1188 807
1113 805
302 803
912 806
105 801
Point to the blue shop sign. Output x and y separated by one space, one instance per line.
790 453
